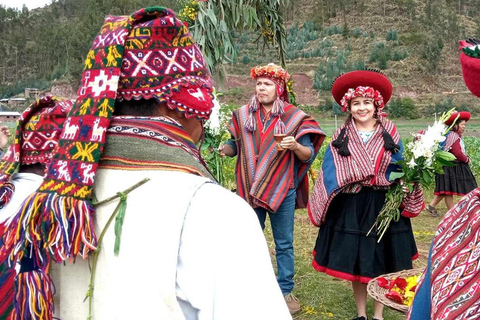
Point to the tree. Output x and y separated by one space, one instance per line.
217 18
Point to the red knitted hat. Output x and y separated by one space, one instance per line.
362 78
470 61
36 137
462 115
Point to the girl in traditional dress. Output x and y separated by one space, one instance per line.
351 188
457 180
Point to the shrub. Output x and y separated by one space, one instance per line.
402 108
357 32
431 52
330 107
392 35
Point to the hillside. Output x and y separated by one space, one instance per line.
414 42
408 67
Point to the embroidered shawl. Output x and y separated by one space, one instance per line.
454 271
263 174
368 165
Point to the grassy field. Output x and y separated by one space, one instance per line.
325 297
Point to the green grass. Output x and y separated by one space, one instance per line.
326 297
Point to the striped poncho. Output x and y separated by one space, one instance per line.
367 165
263 174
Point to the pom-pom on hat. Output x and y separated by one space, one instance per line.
362 78
36 137
470 61
462 115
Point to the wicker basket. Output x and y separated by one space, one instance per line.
378 293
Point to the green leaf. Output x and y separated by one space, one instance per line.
445 155
427 178
396 175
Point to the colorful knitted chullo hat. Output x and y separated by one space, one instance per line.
150 54
280 77
36 137
470 61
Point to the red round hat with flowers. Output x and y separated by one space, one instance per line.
370 83
470 61
462 115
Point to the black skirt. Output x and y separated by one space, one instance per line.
343 248
457 180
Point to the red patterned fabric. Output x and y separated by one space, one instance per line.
36 137
455 262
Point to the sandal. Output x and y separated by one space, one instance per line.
433 212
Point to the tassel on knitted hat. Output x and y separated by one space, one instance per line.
34 292
6 192
250 123
278 108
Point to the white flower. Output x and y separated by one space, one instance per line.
213 123
411 163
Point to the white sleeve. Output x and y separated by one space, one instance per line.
224 268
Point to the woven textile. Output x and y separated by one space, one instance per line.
157 143
455 262
36 137
368 165
263 174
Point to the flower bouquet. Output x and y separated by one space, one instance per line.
423 158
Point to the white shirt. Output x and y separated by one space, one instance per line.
25 184
222 268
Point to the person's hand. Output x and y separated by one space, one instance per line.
469 161
223 150
406 187
289 143
4 134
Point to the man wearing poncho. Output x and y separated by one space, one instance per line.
449 288
269 179
139 115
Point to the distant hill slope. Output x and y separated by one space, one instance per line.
418 68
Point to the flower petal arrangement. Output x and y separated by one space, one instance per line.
401 290
422 159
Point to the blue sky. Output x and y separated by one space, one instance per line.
31 4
